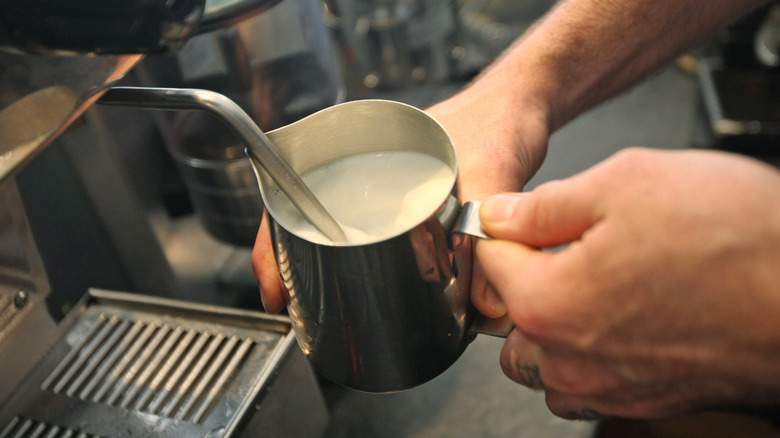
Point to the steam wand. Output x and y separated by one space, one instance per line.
259 147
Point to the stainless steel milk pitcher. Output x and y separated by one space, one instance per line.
382 316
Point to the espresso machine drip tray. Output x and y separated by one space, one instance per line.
133 365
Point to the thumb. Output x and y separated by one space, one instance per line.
553 214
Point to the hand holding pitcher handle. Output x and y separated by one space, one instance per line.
467 226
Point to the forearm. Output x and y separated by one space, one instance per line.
586 51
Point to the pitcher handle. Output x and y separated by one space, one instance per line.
468 222
463 221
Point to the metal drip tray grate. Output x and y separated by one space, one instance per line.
144 366
135 365
24 427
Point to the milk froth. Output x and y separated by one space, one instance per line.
372 196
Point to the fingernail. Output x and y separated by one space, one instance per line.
498 208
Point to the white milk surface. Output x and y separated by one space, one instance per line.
372 196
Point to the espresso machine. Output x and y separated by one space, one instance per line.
103 331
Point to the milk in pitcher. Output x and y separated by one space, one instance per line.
372 196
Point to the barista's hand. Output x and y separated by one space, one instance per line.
500 145
667 298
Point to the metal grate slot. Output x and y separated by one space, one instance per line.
80 352
213 393
174 372
156 386
192 376
114 378
146 375
24 427
103 372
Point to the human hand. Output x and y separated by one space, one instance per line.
666 298
500 145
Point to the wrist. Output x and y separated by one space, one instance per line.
519 110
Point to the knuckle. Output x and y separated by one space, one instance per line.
576 380
517 363
589 409
633 160
560 405
632 154
525 374
575 409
